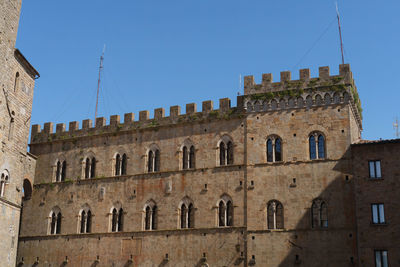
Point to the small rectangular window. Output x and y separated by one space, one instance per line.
375 169
378 213
381 258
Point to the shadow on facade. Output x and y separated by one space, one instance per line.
335 245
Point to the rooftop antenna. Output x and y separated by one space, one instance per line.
396 127
98 82
240 83
340 31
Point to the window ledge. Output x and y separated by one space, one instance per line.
375 179
379 224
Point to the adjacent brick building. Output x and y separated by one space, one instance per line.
17 80
376 167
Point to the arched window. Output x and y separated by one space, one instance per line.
4 180
117 219
90 167
16 82
317 146
117 165
188 160
85 220
27 187
55 221
275 214
153 159
274 149
186 214
150 216
225 152
319 214
61 171
225 212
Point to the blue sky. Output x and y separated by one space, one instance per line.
164 53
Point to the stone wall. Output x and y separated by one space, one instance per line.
16 93
250 182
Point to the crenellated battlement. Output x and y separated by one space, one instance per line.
306 92
100 126
286 83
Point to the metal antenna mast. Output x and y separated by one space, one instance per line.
98 81
340 32
396 127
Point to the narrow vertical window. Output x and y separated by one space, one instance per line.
229 213
183 216
324 215
117 165
147 218
221 213
63 170
229 153
314 215
16 82
378 213
313 152
184 158
120 224
150 161
222 154
58 171
192 158
375 169
114 220
2 187
269 151
83 221
58 227
11 129
381 258
278 150
154 219
157 161
87 168
89 222
321 147
123 164
190 216
93 168
53 223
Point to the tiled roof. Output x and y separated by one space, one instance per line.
371 142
